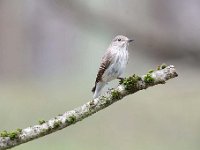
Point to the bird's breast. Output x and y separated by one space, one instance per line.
117 66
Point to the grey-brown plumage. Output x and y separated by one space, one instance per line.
106 60
113 63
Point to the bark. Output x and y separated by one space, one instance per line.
127 86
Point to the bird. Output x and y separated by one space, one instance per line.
113 63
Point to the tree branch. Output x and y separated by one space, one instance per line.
127 86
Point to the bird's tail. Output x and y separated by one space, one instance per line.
97 89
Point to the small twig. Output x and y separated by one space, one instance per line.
127 86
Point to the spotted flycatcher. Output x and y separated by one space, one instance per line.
113 63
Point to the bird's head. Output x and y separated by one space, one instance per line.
121 41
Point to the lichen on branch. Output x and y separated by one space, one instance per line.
126 86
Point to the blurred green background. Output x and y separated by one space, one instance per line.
50 52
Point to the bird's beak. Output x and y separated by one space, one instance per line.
130 40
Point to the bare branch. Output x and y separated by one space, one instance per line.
127 86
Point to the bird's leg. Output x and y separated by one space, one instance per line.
121 80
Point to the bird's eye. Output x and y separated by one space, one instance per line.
118 39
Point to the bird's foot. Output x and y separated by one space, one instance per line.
121 80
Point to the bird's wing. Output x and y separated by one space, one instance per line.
105 63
